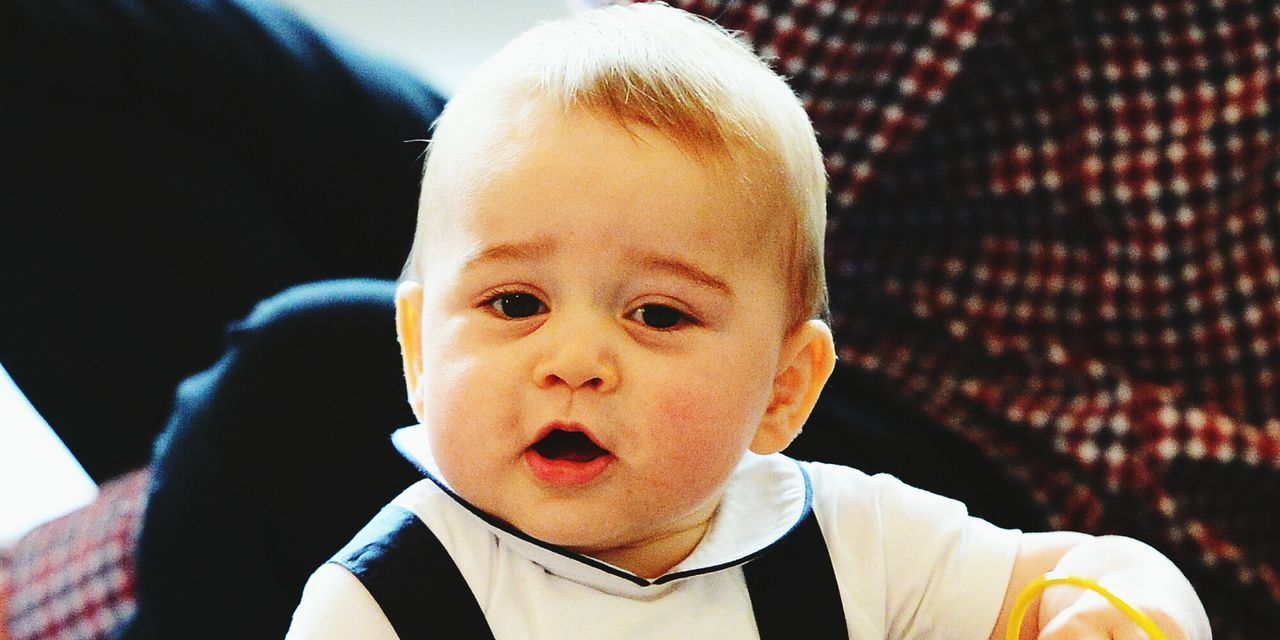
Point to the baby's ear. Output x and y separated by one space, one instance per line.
409 331
807 359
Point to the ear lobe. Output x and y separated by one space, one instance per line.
409 332
808 358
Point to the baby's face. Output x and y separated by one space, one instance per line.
601 327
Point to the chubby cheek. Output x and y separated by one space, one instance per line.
463 420
699 435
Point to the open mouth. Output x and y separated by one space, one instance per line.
568 446
567 458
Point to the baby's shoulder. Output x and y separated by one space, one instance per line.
914 555
854 488
877 505
335 605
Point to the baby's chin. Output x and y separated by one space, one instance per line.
647 554
581 535
577 536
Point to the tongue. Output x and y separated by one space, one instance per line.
570 446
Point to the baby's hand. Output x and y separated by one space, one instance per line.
1074 613
1071 572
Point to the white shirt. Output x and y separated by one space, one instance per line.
909 564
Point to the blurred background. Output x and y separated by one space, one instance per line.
438 39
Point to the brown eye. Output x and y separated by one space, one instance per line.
659 316
516 305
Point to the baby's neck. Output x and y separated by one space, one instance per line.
654 557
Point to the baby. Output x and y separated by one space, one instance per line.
611 324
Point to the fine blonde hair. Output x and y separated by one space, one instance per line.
656 66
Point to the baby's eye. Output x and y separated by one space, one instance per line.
516 305
659 316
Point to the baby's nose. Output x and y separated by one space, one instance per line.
575 382
579 360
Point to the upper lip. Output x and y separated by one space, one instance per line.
561 425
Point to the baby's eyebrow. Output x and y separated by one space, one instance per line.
531 250
686 270
519 251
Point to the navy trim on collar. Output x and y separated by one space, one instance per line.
597 564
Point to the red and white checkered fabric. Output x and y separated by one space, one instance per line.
1054 226
72 579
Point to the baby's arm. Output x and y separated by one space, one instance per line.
1130 569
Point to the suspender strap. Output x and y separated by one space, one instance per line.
793 587
412 577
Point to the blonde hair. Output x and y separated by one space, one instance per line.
656 66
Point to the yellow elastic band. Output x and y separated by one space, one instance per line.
1033 589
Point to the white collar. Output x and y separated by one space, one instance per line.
766 497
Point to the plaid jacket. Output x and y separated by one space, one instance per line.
73 578
1053 226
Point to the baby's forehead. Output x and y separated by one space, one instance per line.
471 147
486 148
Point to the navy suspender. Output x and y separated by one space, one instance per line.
413 578
792 585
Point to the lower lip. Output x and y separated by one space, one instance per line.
566 473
